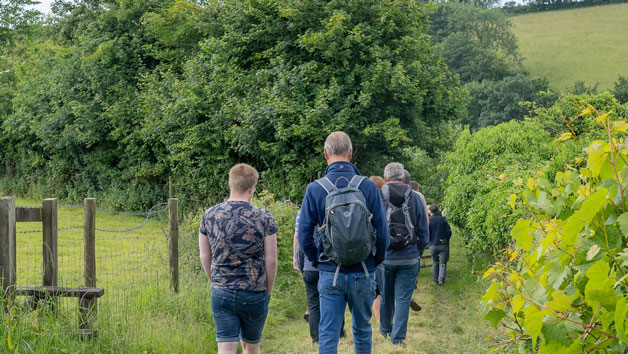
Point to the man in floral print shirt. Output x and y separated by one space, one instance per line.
238 250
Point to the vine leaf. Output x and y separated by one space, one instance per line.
620 319
495 316
599 288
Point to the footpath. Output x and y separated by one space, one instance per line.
450 320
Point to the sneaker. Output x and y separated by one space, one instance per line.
415 306
306 317
400 344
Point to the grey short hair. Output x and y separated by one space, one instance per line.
393 172
338 143
406 177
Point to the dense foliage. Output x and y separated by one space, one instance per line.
564 286
113 97
488 166
494 102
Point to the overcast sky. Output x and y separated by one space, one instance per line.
44 6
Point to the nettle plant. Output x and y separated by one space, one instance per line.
563 284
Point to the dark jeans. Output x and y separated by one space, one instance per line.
397 287
440 256
310 278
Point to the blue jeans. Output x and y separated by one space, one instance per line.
356 290
440 256
239 314
397 287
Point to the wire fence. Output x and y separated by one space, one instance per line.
131 256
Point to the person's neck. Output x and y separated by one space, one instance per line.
336 158
239 197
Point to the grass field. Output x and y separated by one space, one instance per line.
588 44
140 314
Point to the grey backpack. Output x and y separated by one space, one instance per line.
349 237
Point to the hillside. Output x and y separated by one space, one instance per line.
588 44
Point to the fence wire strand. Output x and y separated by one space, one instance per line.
129 262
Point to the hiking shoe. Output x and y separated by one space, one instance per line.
400 344
415 306
306 317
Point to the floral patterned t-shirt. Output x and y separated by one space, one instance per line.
236 231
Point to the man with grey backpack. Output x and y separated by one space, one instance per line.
409 235
346 210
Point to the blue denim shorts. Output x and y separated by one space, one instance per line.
239 314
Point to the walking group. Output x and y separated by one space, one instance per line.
358 242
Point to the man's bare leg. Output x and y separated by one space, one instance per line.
227 347
248 348
376 307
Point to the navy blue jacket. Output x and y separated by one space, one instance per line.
313 214
440 232
410 252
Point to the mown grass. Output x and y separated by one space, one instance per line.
140 314
588 44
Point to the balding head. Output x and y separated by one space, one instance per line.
338 145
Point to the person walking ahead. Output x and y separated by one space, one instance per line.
341 284
238 250
440 233
406 216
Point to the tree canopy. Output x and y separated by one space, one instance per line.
115 96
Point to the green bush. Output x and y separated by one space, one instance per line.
564 286
477 183
487 166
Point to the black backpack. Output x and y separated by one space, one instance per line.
401 220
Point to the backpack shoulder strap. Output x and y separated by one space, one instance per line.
356 181
407 196
385 193
326 184
414 203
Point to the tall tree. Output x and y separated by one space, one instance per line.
475 42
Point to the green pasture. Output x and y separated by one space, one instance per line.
588 44
140 314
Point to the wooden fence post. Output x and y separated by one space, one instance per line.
50 223
170 188
88 305
7 248
173 237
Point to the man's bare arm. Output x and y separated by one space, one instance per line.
270 261
205 253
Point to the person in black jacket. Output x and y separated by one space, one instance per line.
440 233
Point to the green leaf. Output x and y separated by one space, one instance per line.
599 288
512 200
516 303
560 331
523 234
590 207
621 310
495 316
554 347
533 323
491 294
561 302
623 223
